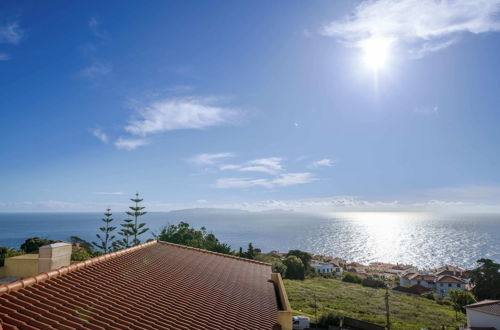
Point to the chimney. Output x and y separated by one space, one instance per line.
53 256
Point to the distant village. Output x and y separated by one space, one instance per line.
410 280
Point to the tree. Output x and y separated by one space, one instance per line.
80 242
351 278
279 267
6 252
125 232
106 240
461 299
486 280
303 256
32 244
136 229
294 268
184 234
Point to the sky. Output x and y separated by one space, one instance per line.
331 105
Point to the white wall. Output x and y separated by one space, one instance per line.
479 319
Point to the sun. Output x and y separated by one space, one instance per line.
376 52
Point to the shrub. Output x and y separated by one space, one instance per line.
351 278
429 295
6 252
279 267
32 244
328 319
373 283
294 268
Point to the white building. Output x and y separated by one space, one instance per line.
323 268
445 283
441 284
484 314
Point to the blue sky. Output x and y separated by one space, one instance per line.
255 105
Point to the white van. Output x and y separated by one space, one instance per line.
300 322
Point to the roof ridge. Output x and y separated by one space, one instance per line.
42 277
216 253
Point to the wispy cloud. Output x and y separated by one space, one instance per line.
95 27
4 57
283 180
271 165
180 113
130 143
95 69
98 133
210 159
325 162
424 25
11 33
108 193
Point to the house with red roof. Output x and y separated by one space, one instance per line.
483 315
155 285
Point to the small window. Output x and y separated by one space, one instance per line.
458 285
418 281
441 284
449 284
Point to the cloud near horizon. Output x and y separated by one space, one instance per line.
282 180
425 26
130 143
180 113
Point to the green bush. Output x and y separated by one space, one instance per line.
328 319
429 295
294 268
6 252
351 278
32 244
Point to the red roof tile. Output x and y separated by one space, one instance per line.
486 306
156 285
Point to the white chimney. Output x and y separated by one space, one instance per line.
53 256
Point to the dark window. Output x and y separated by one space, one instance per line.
418 281
449 284
458 285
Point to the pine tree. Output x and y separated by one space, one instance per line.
106 240
136 229
125 232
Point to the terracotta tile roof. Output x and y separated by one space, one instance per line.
486 306
155 285
450 279
415 289
421 277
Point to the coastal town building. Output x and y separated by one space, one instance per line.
483 315
323 268
155 285
416 290
440 283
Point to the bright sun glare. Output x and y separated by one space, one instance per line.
376 52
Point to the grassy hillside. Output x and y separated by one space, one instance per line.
368 304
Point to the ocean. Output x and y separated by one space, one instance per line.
425 240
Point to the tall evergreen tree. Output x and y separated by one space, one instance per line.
106 240
125 232
137 229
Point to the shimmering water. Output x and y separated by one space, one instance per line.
421 239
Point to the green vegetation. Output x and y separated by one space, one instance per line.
106 240
294 268
185 235
367 304
486 279
33 244
351 278
6 252
136 229
461 299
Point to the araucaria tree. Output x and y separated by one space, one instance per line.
125 233
136 229
106 239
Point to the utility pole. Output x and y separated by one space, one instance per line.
387 312
315 311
